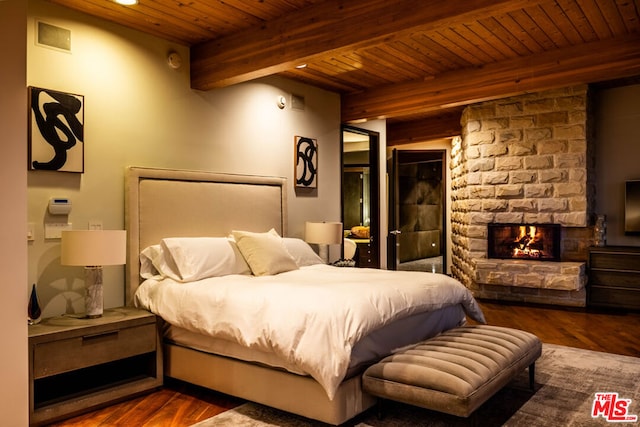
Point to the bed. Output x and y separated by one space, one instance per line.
172 211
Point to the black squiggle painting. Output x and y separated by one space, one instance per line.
306 162
56 130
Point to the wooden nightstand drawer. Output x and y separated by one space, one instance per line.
615 260
615 279
615 297
56 357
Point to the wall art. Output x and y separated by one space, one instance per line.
306 163
56 130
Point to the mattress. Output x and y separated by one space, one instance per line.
368 350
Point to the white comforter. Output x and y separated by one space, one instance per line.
309 317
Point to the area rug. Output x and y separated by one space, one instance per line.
567 380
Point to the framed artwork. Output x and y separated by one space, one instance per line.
306 164
56 130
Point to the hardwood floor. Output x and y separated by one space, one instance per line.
178 404
605 331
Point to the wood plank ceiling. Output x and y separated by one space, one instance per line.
416 63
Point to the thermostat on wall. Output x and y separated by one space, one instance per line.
59 206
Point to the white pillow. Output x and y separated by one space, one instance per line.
186 259
264 252
301 252
154 265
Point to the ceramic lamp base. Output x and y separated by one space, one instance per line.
323 252
93 288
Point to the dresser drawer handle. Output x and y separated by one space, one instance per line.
103 335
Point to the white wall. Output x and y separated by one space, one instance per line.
13 251
617 156
139 111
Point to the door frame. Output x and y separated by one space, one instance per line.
374 190
394 205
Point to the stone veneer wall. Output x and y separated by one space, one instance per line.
524 159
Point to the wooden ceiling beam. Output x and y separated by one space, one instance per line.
444 125
328 28
587 63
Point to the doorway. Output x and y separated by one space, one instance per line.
417 211
361 193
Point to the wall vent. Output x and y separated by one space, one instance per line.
52 36
297 102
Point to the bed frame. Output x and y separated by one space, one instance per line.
176 203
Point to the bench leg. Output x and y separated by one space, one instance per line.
532 376
473 419
380 409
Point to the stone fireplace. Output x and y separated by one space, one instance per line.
523 161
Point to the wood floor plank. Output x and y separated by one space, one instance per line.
180 405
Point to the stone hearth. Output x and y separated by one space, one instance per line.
525 160
542 282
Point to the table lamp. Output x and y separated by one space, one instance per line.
323 234
92 249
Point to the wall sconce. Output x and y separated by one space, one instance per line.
92 249
323 234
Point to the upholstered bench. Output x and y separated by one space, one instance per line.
456 371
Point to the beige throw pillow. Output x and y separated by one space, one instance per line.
264 252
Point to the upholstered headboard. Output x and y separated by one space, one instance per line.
178 203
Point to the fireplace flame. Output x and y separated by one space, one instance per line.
526 238
524 241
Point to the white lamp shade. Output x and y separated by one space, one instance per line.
94 247
327 233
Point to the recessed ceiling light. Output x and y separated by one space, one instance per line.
301 66
127 2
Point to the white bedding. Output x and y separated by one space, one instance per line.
310 317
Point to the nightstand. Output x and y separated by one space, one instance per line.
77 364
614 277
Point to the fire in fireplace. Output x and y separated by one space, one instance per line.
524 241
